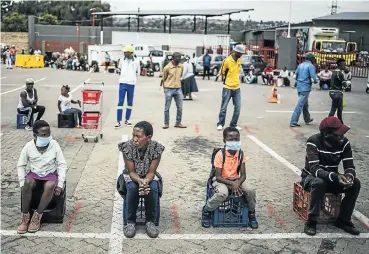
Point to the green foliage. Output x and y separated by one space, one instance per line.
14 22
48 19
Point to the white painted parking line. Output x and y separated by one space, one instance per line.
296 170
23 86
314 112
244 236
2 78
78 87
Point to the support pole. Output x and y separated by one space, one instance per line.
138 23
206 31
194 24
129 23
102 30
170 24
229 23
165 24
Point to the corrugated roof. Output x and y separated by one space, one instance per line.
207 12
346 16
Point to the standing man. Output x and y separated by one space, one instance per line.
206 61
107 60
129 70
231 72
13 52
336 92
8 59
304 74
172 74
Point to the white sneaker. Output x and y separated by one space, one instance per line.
28 128
128 123
238 128
117 125
220 128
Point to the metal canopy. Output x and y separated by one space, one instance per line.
174 13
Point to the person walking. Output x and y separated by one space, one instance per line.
305 73
172 89
206 61
231 71
129 70
336 91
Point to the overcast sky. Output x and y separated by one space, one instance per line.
263 10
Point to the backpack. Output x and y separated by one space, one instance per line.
215 151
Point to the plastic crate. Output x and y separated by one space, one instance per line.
330 207
90 120
21 121
91 96
231 213
141 217
66 121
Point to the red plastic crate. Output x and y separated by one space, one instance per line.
91 96
90 120
330 208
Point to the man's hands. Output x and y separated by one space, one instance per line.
57 191
236 188
345 181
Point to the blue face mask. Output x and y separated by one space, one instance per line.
233 145
43 141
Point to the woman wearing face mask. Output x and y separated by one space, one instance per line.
47 167
189 85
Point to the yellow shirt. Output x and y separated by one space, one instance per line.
172 75
231 70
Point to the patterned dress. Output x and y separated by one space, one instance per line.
131 153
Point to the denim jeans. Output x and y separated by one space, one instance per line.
227 94
123 90
337 104
177 94
77 113
132 200
302 105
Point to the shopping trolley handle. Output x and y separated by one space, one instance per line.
93 83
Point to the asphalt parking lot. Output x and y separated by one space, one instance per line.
93 219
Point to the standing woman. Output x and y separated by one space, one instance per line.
188 79
64 105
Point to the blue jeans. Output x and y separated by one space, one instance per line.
227 94
132 200
177 94
123 90
77 113
302 105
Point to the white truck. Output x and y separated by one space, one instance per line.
145 53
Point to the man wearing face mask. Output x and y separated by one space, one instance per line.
231 72
324 152
47 167
172 84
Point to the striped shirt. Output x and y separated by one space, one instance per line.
322 160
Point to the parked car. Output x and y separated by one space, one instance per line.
156 57
256 61
215 64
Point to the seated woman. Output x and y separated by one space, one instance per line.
141 159
45 159
64 105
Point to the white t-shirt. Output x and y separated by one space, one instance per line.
129 70
65 102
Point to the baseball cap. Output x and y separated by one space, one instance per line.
239 48
30 81
332 124
309 55
128 48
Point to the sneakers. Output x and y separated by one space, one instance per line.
220 128
179 125
310 121
23 227
128 123
348 227
35 223
151 230
295 125
129 230
238 128
205 218
28 128
253 223
310 228
118 125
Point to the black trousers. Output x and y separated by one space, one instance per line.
268 78
29 111
322 82
337 104
318 187
286 81
206 71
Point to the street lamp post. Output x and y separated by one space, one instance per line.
289 22
93 16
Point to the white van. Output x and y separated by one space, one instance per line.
142 50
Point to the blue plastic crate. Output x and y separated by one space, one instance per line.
21 121
140 219
231 213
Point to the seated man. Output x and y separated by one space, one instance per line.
324 152
251 78
325 77
28 104
284 76
141 159
348 76
268 75
230 176
47 167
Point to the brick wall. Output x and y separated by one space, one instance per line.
20 40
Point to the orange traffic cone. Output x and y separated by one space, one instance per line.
274 97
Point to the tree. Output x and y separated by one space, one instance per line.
48 19
14 22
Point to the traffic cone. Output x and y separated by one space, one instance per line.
274 97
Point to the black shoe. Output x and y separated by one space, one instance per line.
347 227
295 125
310 121
310 228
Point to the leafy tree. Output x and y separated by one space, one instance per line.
48 19
14 22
